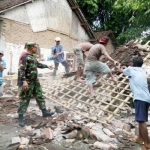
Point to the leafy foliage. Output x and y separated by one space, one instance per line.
126 18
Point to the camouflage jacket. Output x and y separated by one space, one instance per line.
28 68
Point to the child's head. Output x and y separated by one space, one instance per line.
137 62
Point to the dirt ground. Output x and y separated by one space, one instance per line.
9 128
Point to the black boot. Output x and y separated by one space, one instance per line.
46 113
21 120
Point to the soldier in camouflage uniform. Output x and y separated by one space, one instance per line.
31 86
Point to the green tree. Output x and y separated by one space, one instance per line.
127 19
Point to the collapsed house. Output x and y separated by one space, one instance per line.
111 97
80 118
40 21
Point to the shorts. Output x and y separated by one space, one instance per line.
141 110
95 67
80 56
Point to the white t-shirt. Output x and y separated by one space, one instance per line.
138 83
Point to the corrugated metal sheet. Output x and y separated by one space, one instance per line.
18 14
59 17
37 16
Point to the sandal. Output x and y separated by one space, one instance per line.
81 81
136 140
92 97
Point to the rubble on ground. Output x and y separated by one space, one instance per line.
66 126
105 122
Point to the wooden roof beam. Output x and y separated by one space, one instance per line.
75 7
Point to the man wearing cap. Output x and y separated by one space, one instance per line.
79 51
30 83
93 64
58 56
2 67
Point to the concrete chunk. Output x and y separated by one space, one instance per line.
100 135
119 124
102 146
24 141
15 140
28 128
48 133
113 146
109 133
71 135
22 147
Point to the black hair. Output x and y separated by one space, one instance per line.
137 61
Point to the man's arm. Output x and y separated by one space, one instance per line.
109 58
61 51
120 69
40 65
22 68
3 66
52 53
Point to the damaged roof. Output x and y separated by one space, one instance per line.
9 4
126 52
75 7
110 98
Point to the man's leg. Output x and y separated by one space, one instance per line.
55 70
66 65
79 74
141 116
25 97
90 79
144 134
37 92
80 64
91 90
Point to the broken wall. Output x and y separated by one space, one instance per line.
40 22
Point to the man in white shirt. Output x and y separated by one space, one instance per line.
141 96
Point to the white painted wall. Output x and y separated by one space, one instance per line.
49 14
82 35
17 14
58 16
37 16
42 15
13 53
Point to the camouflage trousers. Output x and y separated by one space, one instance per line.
25 96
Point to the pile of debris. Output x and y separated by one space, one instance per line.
72 128
66 126
105 122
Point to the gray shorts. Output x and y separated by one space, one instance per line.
80 56
93 67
